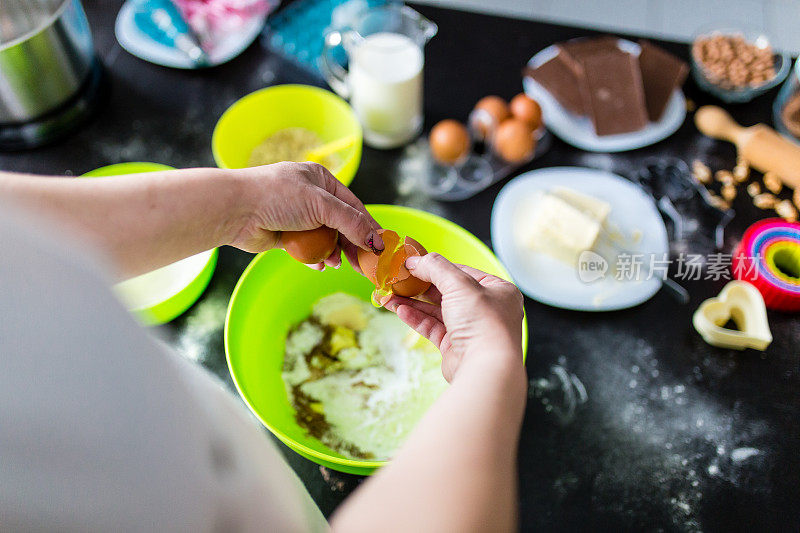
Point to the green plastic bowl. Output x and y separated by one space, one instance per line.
164 294
276 292
120 169
258 115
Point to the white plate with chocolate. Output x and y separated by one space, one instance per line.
607 94
580 238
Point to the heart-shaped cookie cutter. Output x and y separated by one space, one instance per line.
741 302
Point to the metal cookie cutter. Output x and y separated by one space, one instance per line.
670 182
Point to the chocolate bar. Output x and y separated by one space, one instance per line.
580 48
614 96
662 73
618 91
561 76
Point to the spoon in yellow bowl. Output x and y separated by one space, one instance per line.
317 155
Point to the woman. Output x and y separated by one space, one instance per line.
102 427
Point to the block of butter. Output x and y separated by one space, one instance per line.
595 208
561 223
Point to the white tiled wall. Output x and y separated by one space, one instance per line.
670 19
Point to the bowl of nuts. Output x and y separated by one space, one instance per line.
736 65
786 108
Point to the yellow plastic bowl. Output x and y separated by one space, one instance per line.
276 292
258 115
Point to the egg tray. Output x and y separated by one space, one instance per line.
478 171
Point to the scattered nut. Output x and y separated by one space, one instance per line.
765 200
729 192
786 210
724 176
773 182
701 172
741 172
718 202
690 105
754 189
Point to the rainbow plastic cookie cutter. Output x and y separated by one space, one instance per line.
741 302
769 257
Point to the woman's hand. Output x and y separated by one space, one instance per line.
146 221
474 316
476 421
302 196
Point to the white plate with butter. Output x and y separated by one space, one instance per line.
632 239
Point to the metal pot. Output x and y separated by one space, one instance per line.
46 57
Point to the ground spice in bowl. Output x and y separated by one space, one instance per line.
290 144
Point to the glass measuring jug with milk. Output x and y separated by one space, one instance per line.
383 82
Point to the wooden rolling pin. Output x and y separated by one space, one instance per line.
760 145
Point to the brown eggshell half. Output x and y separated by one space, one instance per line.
368 262
408 286
411 286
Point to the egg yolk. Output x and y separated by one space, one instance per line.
390 264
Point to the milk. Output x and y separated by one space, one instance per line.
385 82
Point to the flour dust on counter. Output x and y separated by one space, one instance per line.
145 141
658 437
201 326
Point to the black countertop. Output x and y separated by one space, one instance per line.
675 435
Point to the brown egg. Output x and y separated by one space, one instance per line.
410 286
513 141
495 111
449 141
387 269
527 110
311 246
